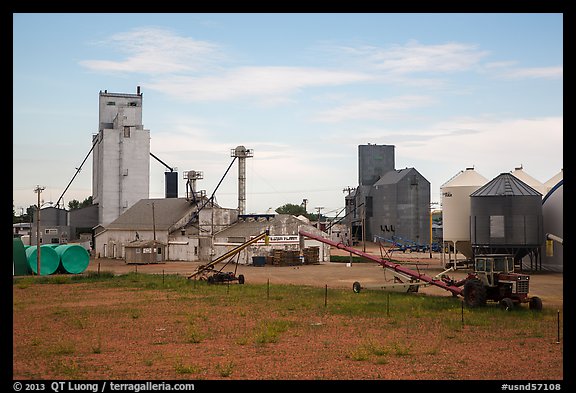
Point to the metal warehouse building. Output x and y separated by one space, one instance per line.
388 203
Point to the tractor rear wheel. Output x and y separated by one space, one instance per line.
356 287
474 293
535 303
507 304
241 279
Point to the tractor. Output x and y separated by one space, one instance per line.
494 279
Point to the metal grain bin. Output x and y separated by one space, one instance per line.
506 212
49 259
455 195
74 258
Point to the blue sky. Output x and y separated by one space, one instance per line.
449 91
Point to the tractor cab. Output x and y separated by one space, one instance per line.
494 279
489 268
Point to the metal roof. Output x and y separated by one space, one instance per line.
281 224
393 177
167 212
505 184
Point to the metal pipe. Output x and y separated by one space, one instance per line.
550 236
228 254
394 266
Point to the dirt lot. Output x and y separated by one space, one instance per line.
547 286
82 331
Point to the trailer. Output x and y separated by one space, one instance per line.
493 278
209 273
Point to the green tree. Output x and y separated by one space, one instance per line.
293 209
74 204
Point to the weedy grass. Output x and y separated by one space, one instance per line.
269 314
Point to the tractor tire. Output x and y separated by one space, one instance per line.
535 303
356 287
241 279
506 304
474 293
211 280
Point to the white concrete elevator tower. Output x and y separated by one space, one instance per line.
121 155
241 153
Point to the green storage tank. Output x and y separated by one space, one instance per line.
73 258
21 267
49 259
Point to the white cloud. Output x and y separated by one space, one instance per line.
373 109
556 72
156 51
252 81
414 57
493 146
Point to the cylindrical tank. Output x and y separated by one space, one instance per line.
553 214
171 184
74 258
506 212
21 267
456 208
49 259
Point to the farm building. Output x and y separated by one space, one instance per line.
283 243
144 251
183 226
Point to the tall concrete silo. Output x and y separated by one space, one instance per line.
456 210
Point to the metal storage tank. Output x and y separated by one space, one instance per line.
553 215
21 267
74 258
49 259
456 209
532 182
171 184
506 217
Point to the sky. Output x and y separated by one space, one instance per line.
303 91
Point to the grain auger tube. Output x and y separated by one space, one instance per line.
218 276
493 279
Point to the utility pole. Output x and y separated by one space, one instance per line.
319 208
153 223
38 190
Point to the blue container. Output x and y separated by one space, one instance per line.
258 261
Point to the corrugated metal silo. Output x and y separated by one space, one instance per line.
506 217
456 209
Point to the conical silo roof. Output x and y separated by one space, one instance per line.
531 181
505 184
550 183
469 177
